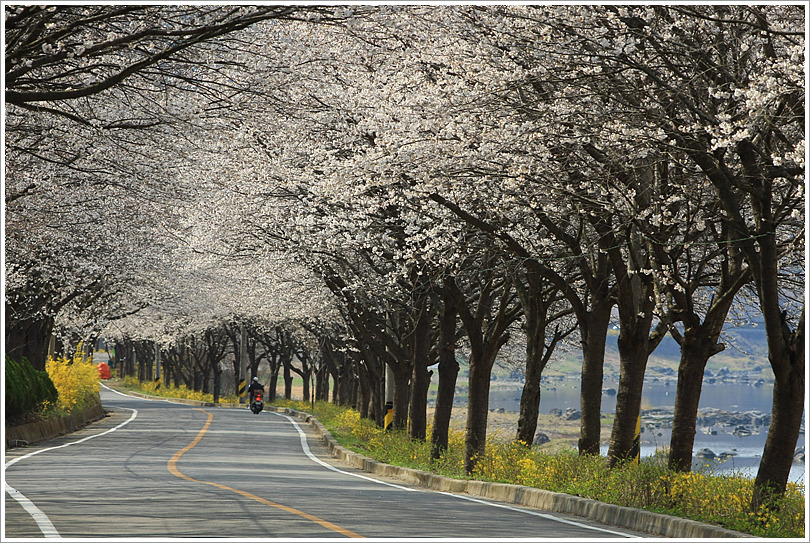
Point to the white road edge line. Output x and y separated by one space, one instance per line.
308 452
305 446
314 458
42 520
29 455
140 398
36 513
538 514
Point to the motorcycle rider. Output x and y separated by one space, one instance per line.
254 386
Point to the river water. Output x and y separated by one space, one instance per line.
744 452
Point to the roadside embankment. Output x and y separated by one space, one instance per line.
33 432
655 524
626 517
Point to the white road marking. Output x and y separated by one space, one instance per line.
42 520
48 530
305 446
140 398
36 513
29 455
537 514
307 451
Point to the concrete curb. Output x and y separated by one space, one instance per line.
655 524
34 432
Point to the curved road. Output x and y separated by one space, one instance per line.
159 469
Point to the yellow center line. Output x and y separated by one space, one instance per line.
176 472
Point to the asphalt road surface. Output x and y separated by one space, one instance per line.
159 469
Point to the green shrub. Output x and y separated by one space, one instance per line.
47 389
26 389
15 392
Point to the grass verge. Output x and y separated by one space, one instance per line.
703 496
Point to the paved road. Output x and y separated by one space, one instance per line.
159 469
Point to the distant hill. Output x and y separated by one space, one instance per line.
746 350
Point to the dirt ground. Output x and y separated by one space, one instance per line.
502 426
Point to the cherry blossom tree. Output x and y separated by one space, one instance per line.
389 171
734 106
93 93
363 143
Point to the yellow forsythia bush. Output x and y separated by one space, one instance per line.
158 388
75 379
725 499
351 423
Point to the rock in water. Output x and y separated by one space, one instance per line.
571 414
706 454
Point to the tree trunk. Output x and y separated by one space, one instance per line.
787 358
364 392
485 342
322 384
633 354
417 409
420 379
535 311
477 413
370 369
378 398
354 391
288 379
28 339
786 420
635 298
344 386
217 380
336 386
694 356
306 386
142 375
401 393
448 374
272 386
594 338
785 347
481 361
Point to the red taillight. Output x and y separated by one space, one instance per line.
258 397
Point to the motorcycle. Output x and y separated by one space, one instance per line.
257 405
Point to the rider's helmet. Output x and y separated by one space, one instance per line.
255 378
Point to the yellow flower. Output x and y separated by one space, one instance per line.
76 380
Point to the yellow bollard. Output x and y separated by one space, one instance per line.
635 452
389 415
